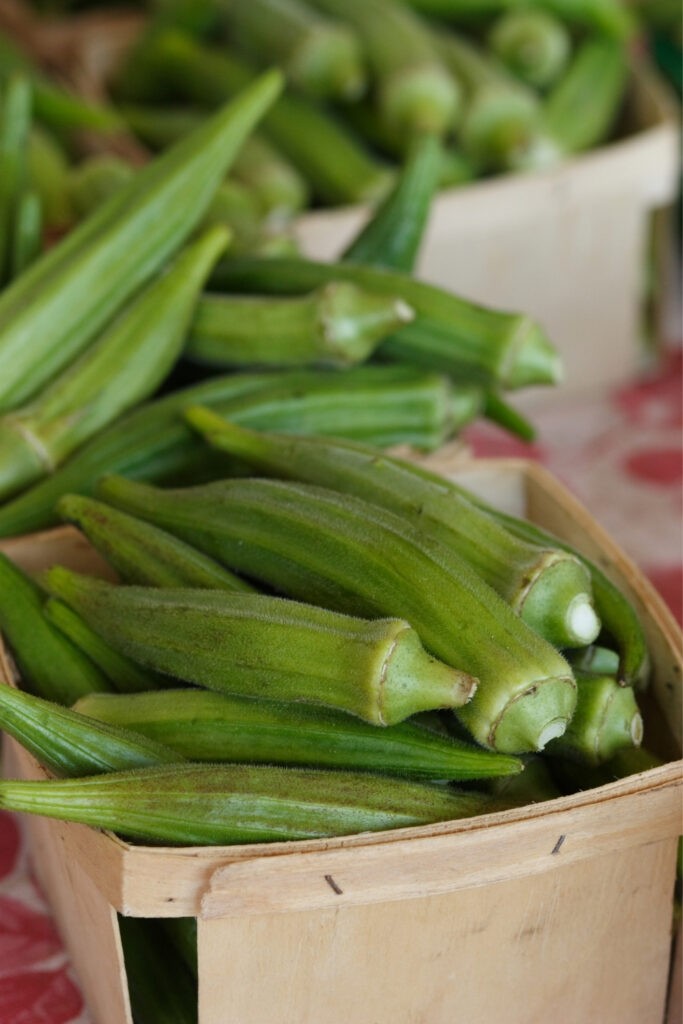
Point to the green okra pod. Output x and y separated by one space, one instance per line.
596 659
27 242
195 805
321 56
550 589
124 675
126 364
143 554
338 324
49 664
47 169
71 744
497 410
338 168
533 44
269 647
95 179
15 124
606 719
182 933
608 17
345 553
53 310
383 405
449 334
206 726
393 234
162 989
413 91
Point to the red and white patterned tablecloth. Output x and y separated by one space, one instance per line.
620 453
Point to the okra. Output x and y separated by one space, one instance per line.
497 410
549 588
535 783
335 164
500 118
581 109
338 324
606 719
124 366
345 553
195 805
393 234
449 334
413 91
533 44
256 645
72 744
384 405
321 56
49 665
141 553
28 232
206 726
619 618
607 17
15 123
596 659
573 775
161 988
95 179
47 168
123 674
51 312
182 933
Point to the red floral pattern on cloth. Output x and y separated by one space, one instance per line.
620 454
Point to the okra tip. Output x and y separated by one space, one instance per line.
558 602
532 357
414 681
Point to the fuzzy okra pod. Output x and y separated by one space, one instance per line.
206 726
338 324
550 589
448 334
126 364
54 309
321 56
142 553
49 664
606 719
195 805
270 647
71 744
345 553
383 405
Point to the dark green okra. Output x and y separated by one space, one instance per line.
449 334
53 310
206 726
161 987
384 405
550 589
123 367
72 744
48 663
195 805
15 124
256 645
338 324
27 242
339 551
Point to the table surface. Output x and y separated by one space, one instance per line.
621 455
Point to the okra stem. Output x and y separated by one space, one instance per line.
533 44
73 744
346 553
193 805
606 719
449 334
207 726
337 324
269 647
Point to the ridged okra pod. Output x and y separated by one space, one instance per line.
206 726
533 44
549 588
47 166
413 91
15 124
449 334
342 552
321 56
53 310
123 367
161 987
49 664
383 405
143 554
338 324
27 242
256 645
123 674
71 744
606 719
338 168
196 805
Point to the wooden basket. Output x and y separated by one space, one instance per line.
559 910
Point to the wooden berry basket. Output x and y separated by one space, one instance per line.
558 910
